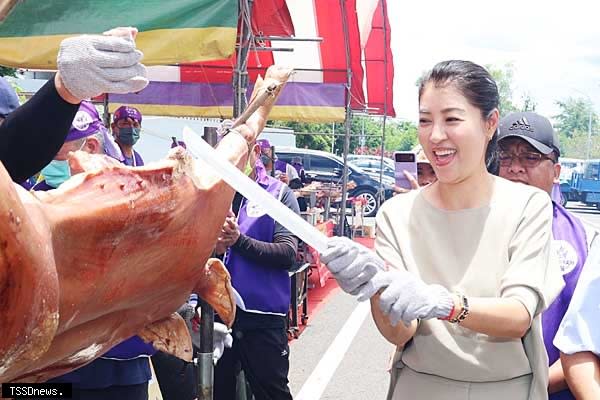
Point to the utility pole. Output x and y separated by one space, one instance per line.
347 121
591 113
589 142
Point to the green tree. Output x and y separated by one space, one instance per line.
504 76
311 135
528 103
400 135
574 117
7 71
576 146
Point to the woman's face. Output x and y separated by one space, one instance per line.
453 133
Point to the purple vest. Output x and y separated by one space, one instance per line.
263 288
42 186
571 243
556 195
135 161
113 371
280 166
298 167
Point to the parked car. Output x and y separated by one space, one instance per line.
370 163
372 166
326 167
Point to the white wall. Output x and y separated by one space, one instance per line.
155 140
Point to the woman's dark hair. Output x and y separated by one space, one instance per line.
478 87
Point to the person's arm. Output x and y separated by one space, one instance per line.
33 133
531 281
283 251
498 317
527 286
398 335
582 371
280 253
386 248
556 379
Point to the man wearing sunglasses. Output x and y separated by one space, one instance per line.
528 153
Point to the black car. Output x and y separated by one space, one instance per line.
326 167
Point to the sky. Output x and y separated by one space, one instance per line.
554 46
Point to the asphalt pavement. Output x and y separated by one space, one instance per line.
588 214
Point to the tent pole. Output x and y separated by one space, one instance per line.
347 121
106 113
381 194
240 74
207 321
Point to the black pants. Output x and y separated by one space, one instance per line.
264 357
177 379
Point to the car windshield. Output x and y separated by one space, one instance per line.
376 161
287 154
351 165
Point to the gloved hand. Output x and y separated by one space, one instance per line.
90 65
352 265
407 297
221 338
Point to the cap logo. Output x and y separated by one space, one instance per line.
82 121
521 125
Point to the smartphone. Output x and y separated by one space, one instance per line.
405 161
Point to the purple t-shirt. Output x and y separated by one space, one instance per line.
571 245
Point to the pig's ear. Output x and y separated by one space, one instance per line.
170 335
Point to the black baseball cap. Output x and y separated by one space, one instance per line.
531 127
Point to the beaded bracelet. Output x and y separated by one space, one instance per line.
464 310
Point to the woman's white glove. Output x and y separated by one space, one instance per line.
90 65
221 338
352 265
406 297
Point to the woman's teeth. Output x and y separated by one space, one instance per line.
444 153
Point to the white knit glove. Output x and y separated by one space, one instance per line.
90 65
353 266
221 338
407 297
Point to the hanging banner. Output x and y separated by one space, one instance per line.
299 101
170 32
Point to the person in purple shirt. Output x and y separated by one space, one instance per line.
528 153
87 133
258 255
124 371
276 167
126 128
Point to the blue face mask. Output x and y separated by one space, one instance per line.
56 172
129 136
265 159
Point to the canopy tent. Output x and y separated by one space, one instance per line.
317 51
199 36
170 32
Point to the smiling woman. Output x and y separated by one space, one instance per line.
468 255
481 253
